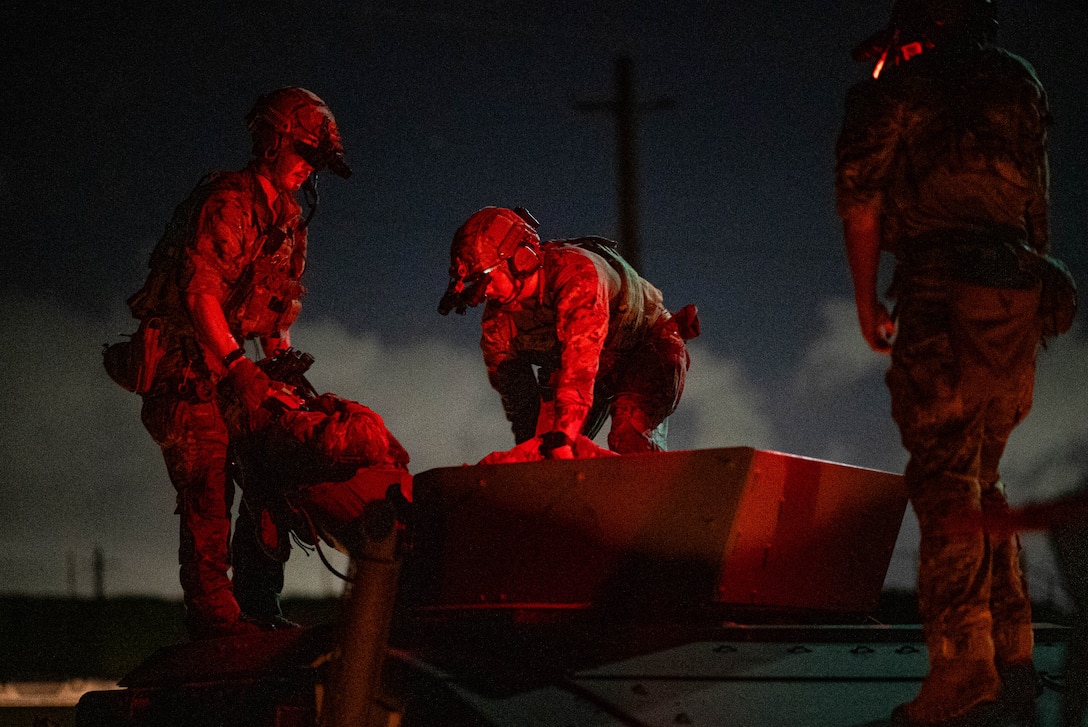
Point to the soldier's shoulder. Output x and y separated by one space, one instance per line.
873 93
240 181
571 253
1007 62
865 88
871 102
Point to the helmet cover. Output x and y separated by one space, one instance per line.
486 239
300 116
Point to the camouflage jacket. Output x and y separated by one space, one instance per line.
948 144
588 313
227 241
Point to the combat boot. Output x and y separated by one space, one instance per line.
956 693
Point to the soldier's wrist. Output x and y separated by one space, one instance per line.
232 358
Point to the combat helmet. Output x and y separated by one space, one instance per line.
917 26
487 239
300 117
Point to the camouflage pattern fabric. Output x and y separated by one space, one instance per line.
225 240
576 345
961 379
529 451
208 247
952 149
306 464
955 146
343 432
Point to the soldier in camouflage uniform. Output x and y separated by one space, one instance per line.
227 270
571 334
941 162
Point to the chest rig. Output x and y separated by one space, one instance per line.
268 296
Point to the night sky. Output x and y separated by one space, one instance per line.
113 111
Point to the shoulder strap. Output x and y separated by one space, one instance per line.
630 308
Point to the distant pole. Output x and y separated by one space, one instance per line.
71 574
625 107
98 561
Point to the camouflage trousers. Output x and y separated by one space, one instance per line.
192 433
640 391
961 379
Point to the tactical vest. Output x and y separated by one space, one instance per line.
265 299
630 309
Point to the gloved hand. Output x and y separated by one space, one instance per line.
248 383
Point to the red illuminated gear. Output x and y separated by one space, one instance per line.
319 464
221 226
918 26
490 237
301 116
229 244
597 337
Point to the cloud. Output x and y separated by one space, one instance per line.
720 407
838 357
1046 454
434 396
76 467
78 470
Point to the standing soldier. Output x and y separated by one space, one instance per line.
942 163
571 334
226 271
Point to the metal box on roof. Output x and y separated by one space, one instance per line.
671 529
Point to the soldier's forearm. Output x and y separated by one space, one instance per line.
569 419
861 232
211 324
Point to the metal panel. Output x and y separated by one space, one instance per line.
733 525
812 534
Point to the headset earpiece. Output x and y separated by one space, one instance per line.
524 262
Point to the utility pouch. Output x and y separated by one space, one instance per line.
1058 297
687 322
132 363
990 265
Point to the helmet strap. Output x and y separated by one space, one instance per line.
273 150
524 262
309 193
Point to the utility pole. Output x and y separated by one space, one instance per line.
625 108
71 563
98 561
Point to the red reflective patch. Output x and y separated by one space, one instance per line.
911 49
